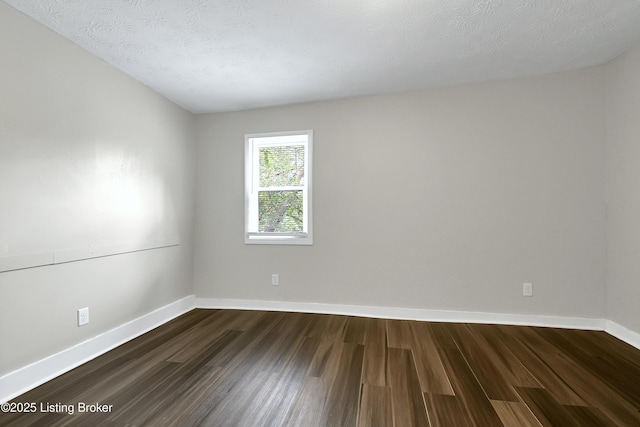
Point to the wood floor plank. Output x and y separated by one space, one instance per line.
236 320
263 396
282 397
515 340
187 376
618 373
293 324
574 367
196 396
163 336
446 411
118 368
545 408
335 327
324 363
355 330
135 403
193 340
594 392
464 382
344 395
375 354
229 408
308 411
399 334
589 416
326 358
375 408
484 364
318 325
127 377
615 346
515 373
273 369
515 414
244 345
431 372
169 386
407 401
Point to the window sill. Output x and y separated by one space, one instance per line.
278 239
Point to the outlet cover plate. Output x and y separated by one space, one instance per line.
83 316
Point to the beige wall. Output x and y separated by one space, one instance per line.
64 115
442 199
623 189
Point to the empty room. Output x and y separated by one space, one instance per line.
320 213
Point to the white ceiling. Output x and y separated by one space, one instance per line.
221 55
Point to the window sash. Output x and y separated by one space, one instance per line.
282 188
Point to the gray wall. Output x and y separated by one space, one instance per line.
75 136
441 199
623 189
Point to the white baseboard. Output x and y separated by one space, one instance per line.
407 313
28 377
622 333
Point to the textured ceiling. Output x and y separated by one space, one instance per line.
220 55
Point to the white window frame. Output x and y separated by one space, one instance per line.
252 144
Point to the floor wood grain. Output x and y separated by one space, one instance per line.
257 368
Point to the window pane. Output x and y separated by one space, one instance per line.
280 211
281 165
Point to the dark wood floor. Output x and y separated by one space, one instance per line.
255 368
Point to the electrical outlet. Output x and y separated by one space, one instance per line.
527 289
275 279
83 316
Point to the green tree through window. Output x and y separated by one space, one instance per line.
281 210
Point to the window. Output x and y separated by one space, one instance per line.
278 188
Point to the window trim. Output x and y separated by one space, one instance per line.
250 200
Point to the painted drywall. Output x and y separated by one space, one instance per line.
87 155
441 199
623 196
